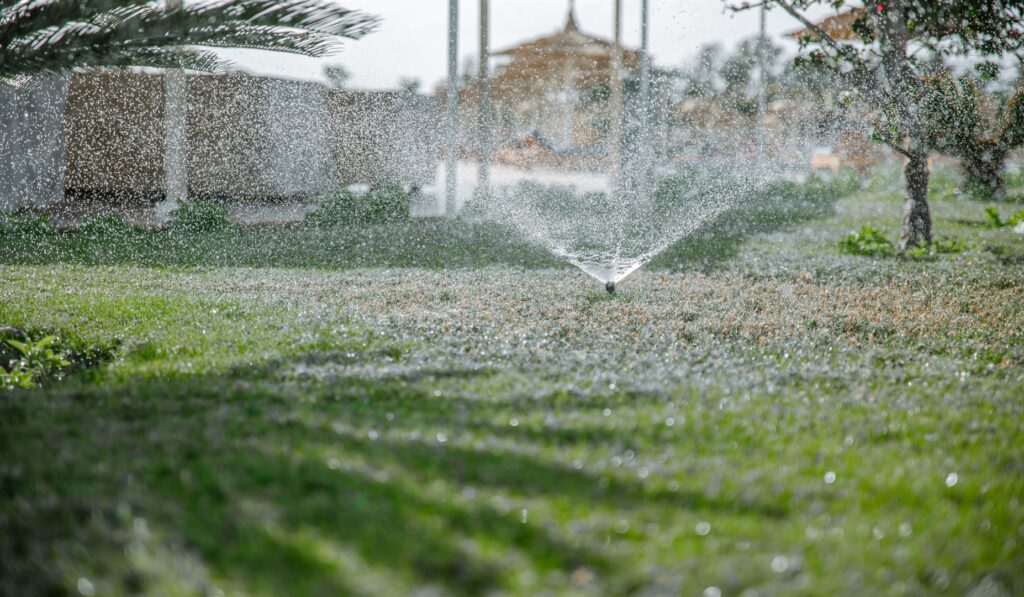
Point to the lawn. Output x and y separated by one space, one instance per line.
442 410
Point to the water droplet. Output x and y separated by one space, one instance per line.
621 527
905 529
441 438
952 479
712 592
830 477
514 422
780 564
670 421
85 587
703 528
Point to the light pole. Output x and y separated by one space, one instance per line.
452 145
762 83
644 150
645 62
484 99
175 136
615 80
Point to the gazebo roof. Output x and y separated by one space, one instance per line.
569 41
839 27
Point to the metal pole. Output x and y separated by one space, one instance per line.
452 146
645 62
175 136
484 108
762 86
615 80
644 149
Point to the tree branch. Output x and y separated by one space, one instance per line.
897 148
862 78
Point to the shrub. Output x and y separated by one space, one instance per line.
948 246
196 217
387 203
107 227
36 361
25 223
867 241
996 222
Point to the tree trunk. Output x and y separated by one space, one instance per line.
917 219
983 174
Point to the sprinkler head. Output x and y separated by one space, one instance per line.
610 287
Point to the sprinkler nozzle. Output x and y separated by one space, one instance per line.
610 287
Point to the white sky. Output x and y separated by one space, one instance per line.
412 40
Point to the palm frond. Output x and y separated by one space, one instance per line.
45 36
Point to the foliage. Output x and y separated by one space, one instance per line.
942 246
24 223
384 204
45 37
885 72
108 228
965 126
199 217
37 361
995 221
867 241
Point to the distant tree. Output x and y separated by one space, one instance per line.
702 78
739 72
969 127
409 85
889 65
337 75
46 36
468 72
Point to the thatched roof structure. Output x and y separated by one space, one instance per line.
838 27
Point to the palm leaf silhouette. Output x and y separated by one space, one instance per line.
46 36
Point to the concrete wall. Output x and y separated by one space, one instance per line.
225 147
384 137
32 143
114 127
248 138
294 126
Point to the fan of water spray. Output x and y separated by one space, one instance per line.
611 235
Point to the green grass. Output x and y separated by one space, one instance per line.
773 416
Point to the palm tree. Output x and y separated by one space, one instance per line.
48 36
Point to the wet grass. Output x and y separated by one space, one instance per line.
789 421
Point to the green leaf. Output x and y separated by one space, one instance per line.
993 217
19 346
47 341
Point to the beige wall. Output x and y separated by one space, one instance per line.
248 137
113 127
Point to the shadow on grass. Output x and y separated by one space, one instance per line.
305 489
